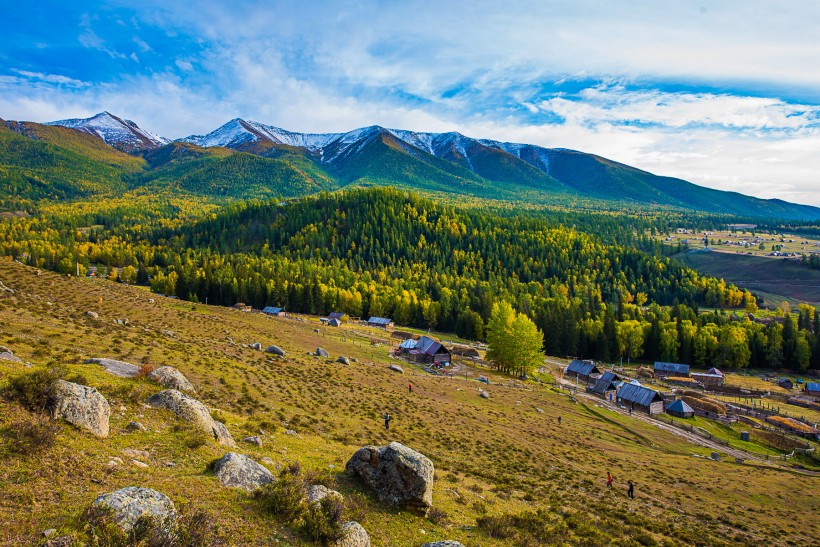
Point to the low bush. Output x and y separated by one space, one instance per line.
34 389
322 521
29 436
285 497
190 528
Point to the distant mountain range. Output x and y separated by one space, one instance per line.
249 159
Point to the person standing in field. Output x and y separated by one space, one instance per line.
409 387
631 491
387 419
609 479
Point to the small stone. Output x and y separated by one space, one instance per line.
396 368
538 410
50 532
276 350
322 352
137 454
253 440
483 393
136 426
139 464
343 360
240 471
267 461
92 314
256 346
117 459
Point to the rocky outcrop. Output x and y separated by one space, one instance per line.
82 406
239 471
396 368
322 352
343 360
276 350
172 379
353 535
398 475
117 368
130 503
194 412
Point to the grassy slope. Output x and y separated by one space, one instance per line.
778 277
498 455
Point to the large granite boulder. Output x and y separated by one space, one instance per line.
276 350
353 535
194 412
172 379
130 503
397 474
322 352
117 368
240 471
82 406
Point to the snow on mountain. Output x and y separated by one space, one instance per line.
114 131
238 132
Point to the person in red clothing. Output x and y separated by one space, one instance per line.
609 479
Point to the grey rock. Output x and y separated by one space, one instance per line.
6 289
290 432
322 352
445 543
194 412
62 541
343 360
9 356
239 471
253 440
4 349
256 346
715 456
92 314
49 533
136 426
82 406
140 464
396 368
276 350
397 474
353 535
483 393
171 378
117 368
318 492
130 503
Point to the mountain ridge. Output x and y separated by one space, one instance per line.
446 162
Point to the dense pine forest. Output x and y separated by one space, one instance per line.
594 283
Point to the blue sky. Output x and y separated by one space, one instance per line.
723 93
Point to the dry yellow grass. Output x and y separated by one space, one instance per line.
492 457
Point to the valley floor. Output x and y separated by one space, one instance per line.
506 455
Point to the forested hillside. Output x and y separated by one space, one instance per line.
385 252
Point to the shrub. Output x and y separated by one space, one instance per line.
144 371
285 497
190 528
437 516
322 522
34 390
30 436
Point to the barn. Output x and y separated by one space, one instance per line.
785 383
709 380
428 350
680 409
274 311
641 398
581 370
381 322
607 385
338 315
812 389
671 369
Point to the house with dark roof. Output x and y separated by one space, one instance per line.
812 389
607 385
680 409
429 350
381 322
581 370
641 398
671 369
274 311
337 315
333 322
785 383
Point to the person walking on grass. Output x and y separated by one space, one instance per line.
409 387
387 419
609 479
631 491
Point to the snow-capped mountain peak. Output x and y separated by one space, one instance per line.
122 134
